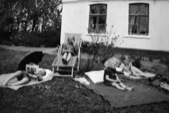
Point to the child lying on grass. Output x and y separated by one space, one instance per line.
22 77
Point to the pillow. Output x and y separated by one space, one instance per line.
96 76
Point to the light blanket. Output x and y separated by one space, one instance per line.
4 77
95 76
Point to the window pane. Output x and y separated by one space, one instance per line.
102 20
133 25
134 9
102 24
144 25
94 9
93 20
92 23
102 28
97 18
138 18
103 9
144 9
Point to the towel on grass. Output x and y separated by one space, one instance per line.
142 94
4 77
82 80
95 76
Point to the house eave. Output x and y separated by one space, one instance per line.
69 1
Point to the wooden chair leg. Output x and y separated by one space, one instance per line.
57 69
72 72
53 69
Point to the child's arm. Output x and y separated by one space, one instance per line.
112 80
33 76
118 69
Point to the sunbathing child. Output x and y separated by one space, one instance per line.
131 71
68 50
111 79
23 77
164 84
17 78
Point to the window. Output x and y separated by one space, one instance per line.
97 18
139 19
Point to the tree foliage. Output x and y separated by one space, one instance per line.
33 16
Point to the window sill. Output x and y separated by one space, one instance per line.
95 34
137 36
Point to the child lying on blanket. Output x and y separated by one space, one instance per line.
111 79
24 77
131 71
159 81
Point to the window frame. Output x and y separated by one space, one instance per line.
97 29
139 16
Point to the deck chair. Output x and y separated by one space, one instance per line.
74 63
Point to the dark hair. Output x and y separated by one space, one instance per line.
110 70
103 60
124 57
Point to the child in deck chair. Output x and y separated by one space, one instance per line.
69 50
111 79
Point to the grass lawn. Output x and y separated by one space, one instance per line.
61 95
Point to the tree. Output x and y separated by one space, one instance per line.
30 15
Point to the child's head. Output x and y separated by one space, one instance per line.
71 40
40 73
111 72
125 59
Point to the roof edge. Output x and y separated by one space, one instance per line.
71 1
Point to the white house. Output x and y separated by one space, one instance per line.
140 24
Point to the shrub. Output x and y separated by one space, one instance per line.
46 39
100 51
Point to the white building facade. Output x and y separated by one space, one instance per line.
140 24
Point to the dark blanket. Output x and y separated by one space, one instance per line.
142 94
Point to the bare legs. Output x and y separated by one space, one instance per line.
121 86
24 80
66 57
138 72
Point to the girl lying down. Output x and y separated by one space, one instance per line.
22 77
124 65
131 71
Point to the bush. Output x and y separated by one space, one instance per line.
100 52
97 49
44 39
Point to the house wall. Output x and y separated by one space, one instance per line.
75 19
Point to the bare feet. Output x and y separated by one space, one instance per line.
5 84
130 88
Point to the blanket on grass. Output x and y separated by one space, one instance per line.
4 77
142 94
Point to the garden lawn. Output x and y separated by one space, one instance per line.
61 95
